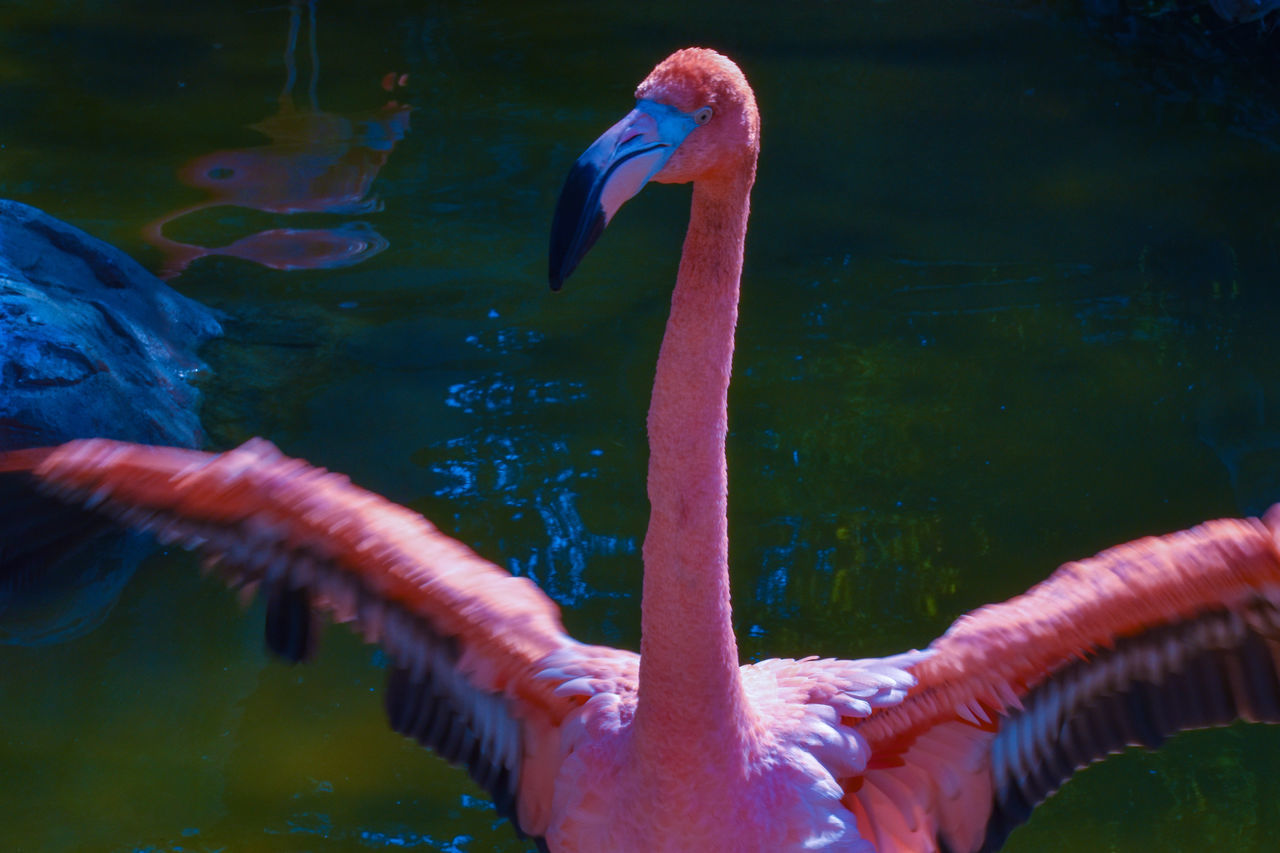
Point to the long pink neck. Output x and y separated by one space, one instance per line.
690 695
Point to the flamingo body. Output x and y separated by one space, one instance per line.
589 748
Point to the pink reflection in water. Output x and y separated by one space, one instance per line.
315 162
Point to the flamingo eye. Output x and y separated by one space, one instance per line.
702 116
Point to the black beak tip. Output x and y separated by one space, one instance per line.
561 266
577 222
569 245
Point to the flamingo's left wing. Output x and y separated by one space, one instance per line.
1127 648
483 671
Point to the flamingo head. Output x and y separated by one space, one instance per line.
695 120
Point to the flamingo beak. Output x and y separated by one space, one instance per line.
608 173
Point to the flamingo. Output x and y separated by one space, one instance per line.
680 747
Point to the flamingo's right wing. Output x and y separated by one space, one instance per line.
481 662
1127 648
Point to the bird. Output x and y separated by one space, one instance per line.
681 747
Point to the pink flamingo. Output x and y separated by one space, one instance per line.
589 748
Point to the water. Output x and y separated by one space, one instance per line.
1008 300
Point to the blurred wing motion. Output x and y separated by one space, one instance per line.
1127 648
473 674
1145 640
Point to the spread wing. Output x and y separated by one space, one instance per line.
481 662
1142 641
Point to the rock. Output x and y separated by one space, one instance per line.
91 344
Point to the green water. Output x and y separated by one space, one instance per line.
1009 299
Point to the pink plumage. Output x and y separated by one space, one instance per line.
589 748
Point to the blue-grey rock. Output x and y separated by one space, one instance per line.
91 344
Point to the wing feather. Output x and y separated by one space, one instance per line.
470 643
1142 641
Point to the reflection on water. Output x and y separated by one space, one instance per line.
71 590
535 478
316 162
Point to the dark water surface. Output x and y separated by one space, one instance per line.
1009 299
